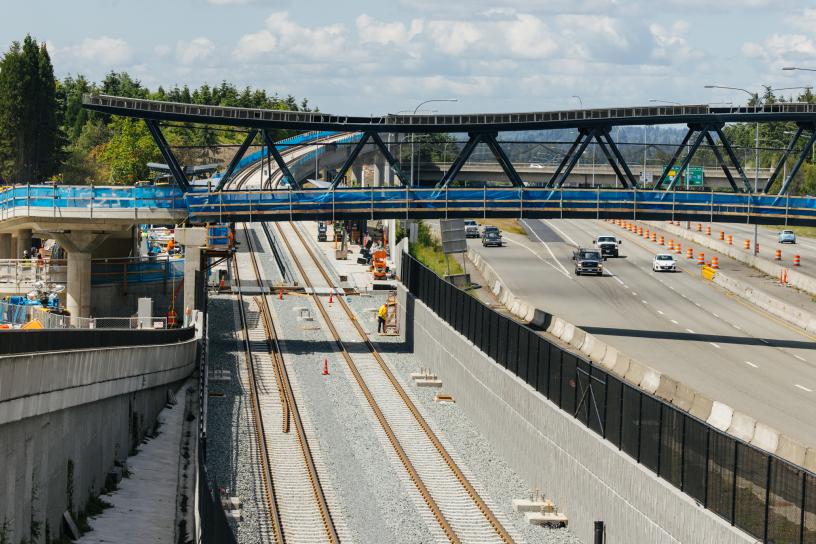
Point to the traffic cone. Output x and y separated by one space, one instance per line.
701 258
331 297
662 240
690 253
708 230
671 244
325 367
722 235
280 294
699 227
715 262
678 248
778 255
654 237
747 244
796 260
730 240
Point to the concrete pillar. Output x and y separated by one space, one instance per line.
193 239
5 246
14 253
78 300
23 242
357 172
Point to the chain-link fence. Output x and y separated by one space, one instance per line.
17 315
762 494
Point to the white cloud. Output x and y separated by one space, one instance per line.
372 31
454 37
529 37
782 46
103 50
671 45
162 50
321 44
195 50
259 43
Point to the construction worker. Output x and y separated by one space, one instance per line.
382 313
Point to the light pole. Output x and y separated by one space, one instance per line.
799 69
580 102
413 136
665 102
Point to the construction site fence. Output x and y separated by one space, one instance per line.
39 340
18 314
758 492
23 273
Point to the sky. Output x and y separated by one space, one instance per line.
361 57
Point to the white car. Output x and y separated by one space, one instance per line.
664 262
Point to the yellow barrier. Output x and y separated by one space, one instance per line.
707 272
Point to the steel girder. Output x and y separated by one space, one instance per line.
733 156
235 159
349 160
461 159
273 151
601 134
175 168
488 138
392 162
802 156
503 159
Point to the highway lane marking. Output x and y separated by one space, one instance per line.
715 345
749 363
691 331
564 234
736 327
660 312
674 321
800 358
542 259
643 301
634 294
617 279
715 315
803 388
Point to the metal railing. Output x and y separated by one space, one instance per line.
762 494
17 315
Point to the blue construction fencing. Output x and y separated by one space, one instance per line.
762 494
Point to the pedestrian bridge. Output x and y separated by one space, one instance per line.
169 205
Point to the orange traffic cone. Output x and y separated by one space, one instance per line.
325 367
778 255
280 294
796 260
715 262
662 240
722 235
678 248
708 230
701 258
690 253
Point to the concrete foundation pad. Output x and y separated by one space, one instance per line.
527 505
547 520
742 426
428 383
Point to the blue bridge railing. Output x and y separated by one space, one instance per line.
202 207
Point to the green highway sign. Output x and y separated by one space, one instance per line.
693 175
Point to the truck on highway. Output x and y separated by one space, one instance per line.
471 229
607 245
588 261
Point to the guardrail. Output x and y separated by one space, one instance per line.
39 340
762 494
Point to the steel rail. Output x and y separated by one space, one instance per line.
290 406
468 487
260 433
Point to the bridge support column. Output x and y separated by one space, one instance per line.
23 242
79 246
5 246
193 239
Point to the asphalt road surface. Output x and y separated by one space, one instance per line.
676 323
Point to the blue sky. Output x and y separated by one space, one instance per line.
366 56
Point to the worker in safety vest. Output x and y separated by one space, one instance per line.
381 315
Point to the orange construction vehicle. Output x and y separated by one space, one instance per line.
378 264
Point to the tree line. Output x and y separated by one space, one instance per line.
46 134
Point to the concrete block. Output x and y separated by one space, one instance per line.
194 236
791 450
635 372
721 416
578 337
587 345
810 459
701 407
667 388
765 437
428 383
742 426
568 332
651 380
621 365
684 398
609 358
556 327
598 351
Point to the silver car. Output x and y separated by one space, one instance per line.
787 237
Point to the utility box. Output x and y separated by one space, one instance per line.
145 312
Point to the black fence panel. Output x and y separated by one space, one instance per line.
630 421
569 366
13 341
762 494
597 392
614 410
721 458
785 503
671 445
650 432
751 489
524 354
809 511
695 458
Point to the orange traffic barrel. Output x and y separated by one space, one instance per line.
699 227
747 244
730 240
715 262
662 240
671 244
654 237
708 231
678 249
701 258
757 248
689 253
722 235
796 261
640 231
778 255
645 233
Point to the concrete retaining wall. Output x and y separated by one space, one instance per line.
66 416
585 475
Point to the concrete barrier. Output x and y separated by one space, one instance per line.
765 437
810 459
684 398
721 416
702 407
791 450
742 426
609 358
667 388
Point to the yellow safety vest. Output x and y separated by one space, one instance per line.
383 311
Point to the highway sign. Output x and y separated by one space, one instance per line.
693 176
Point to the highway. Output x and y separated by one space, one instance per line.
676 323
804 246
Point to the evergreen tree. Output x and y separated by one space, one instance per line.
30 142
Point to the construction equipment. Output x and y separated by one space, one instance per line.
379 266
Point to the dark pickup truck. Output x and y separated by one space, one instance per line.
588 261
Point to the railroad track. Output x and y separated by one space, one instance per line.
459 510
296 500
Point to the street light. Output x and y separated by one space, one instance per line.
580 102
799 69
413 135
